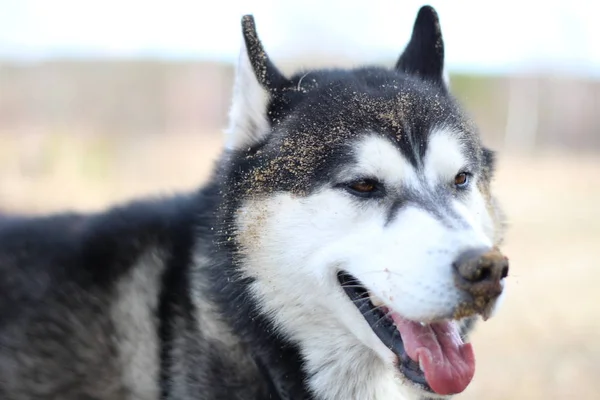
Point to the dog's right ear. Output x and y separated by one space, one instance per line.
256 81
424 54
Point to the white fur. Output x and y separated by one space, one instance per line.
248 123
134 313
378 158
446 79
293 247
444 158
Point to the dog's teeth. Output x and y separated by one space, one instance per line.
421 365
375 300
422 323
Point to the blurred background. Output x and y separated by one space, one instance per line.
103 101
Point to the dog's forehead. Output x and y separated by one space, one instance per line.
336 105
335 108
316 128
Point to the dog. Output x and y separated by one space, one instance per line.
343 248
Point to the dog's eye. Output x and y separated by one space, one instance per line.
462 180
364 187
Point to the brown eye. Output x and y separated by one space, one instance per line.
365 188
461 180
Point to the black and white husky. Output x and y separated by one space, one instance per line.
342 249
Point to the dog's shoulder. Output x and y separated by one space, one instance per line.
78 296
42 254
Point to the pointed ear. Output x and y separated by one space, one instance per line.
424 54
256 81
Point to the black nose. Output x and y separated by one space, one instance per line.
480 272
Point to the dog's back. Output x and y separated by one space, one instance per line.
79 295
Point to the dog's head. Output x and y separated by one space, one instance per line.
363 214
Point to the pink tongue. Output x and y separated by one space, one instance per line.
448 363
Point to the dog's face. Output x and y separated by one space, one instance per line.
364 215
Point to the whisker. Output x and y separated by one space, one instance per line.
353 286
360 300
386 315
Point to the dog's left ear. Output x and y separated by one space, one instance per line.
257 80
424 54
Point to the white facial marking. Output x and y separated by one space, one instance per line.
293 247
444 157
377 157
473 210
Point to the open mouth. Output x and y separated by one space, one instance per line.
433 356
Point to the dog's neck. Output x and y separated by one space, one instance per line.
340 367
336 364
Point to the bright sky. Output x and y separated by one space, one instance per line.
480 35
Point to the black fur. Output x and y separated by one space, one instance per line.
424 55
57 277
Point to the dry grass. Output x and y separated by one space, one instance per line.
542 345
42 173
